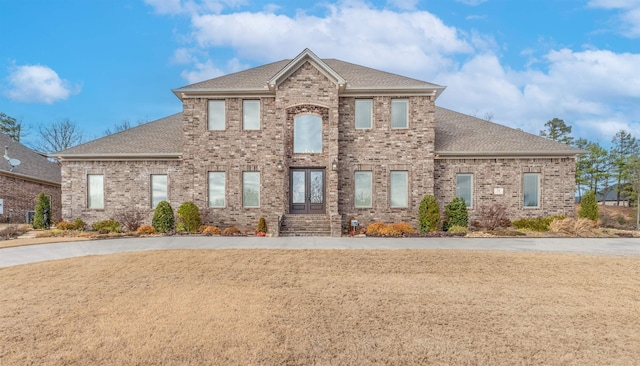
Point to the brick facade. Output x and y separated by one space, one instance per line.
312 89
19 196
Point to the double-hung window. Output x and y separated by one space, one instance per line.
464 188
158 189
531 190
251 189
95 191
217 181
363 189
250 114
216 115
364 113
399 189
399 113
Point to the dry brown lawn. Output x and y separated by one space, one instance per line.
338 307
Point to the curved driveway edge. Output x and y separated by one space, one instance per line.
37 253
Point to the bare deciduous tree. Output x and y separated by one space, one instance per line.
59 136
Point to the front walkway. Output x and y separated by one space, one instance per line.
43 252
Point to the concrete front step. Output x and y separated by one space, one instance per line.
305 225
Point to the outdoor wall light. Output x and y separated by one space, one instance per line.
334 165
279 166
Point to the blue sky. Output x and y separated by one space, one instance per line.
521 62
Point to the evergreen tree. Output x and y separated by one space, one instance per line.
624 147
163 220
42 218
10 127
589 206
557 130
428 214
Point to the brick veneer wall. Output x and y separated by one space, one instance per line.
127 186
20 196
381 150
557 182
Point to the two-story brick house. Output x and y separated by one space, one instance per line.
308 143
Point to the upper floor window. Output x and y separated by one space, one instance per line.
158 189
364 113
464 188
399 189
531 189
251 114
307 134
217 183
363 189
95 191
216 115
399 113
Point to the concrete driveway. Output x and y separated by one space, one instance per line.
37 253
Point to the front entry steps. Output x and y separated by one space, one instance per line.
305 225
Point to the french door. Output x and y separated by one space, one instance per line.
307 191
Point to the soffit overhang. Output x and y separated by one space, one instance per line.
118 157
29 178
445 155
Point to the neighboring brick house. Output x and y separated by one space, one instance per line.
21 184
308 143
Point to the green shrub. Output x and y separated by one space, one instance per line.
456 214
106 226
189 218
537 223
42 204
589 207
428 214
262 225
163 220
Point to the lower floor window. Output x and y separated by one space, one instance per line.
399 189
158 189
531 189
363 189
216 189
95 191
464 188
251 189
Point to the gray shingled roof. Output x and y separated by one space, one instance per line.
159 138
456 134
460 134
357 77
32 164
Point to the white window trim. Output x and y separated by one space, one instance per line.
151 188
407 113
370 186
370 114
224 114
407 188
259 189
89 192
539 176
224 196
259 114
470 202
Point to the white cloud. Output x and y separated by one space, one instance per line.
192 6
403 4
38 84
203 71
629 14
409 41
471 2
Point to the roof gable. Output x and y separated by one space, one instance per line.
298 61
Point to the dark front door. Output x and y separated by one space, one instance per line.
307 191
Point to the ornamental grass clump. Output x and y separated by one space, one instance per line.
163 220
428 214
230 231
210 230
106 226
189 218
